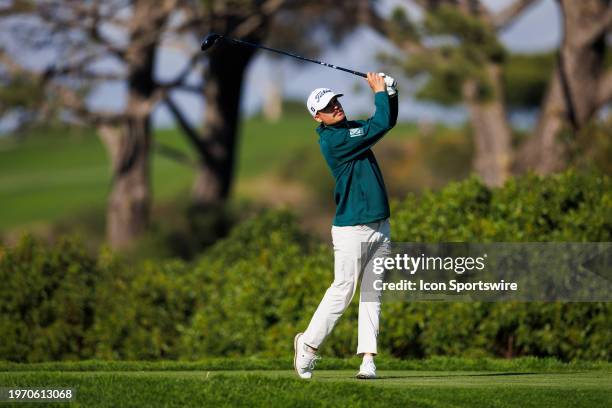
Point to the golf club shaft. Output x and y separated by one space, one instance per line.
361 74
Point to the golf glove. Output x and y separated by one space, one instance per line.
390 82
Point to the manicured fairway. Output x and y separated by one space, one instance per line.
419 388
54 174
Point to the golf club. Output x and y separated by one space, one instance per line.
212 38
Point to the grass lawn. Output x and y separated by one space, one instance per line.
55 174
234 382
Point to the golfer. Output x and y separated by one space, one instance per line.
361 225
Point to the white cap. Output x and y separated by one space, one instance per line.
319 98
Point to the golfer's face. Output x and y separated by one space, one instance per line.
332 113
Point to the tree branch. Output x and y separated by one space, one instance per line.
182 77
196 89
508 15
79 69
75 102
81 18
173 154
370 17
254 22
597 28
192 135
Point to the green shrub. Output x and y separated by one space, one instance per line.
57 303
46 301
141 311
568 207
251 292
257 288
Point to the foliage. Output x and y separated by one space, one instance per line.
21 92
401 27
478 41
256 284
525 78
46 301
454 48
251 292
568 207
591 147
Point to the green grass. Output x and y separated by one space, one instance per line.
53 174
263 145
330 363
463 383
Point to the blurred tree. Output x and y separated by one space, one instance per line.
84 37
221 86
456 47
22 93
525 79
305 30
287 24
580 86
81 37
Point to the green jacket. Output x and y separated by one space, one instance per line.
360 192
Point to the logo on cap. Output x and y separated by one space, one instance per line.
320 94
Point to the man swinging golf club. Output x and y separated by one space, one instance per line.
362 208
361 227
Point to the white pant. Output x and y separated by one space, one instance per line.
350 260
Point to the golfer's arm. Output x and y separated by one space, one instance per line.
372 131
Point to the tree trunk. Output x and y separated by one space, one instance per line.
582 56
544 152
130 197
492 147
273 100
128 211
223 76
574 94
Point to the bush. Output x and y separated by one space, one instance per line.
46 301
140 311
257 287
569 207
251 292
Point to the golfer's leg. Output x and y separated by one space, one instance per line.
370 297
340 293
369 313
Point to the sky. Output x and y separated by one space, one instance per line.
536 30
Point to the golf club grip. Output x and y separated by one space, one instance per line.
361 74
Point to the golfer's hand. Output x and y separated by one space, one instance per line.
376 82
389 80
391 84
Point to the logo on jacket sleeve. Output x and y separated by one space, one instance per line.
355 132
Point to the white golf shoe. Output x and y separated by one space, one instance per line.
367 371
303 359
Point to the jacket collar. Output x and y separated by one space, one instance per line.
338 125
